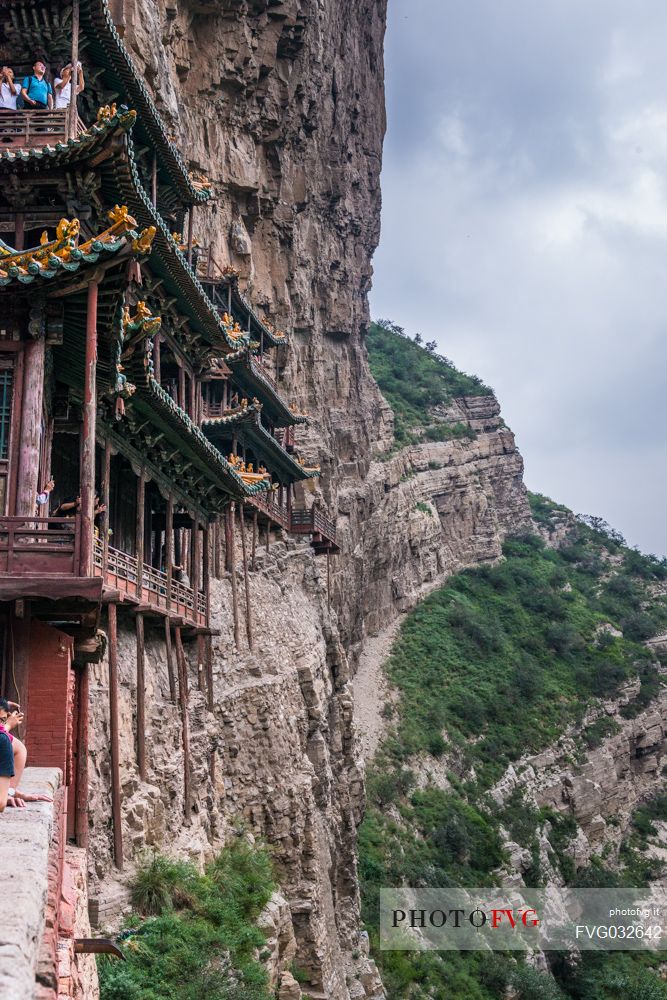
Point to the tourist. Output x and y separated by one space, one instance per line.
37 92
44 495
13 757
9 90
63 86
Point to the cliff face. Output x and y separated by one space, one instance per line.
280 103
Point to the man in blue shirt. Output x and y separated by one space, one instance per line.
36 90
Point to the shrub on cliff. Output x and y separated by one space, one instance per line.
194 936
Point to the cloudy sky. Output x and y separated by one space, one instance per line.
525 230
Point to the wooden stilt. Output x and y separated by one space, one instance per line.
185 722
209 672
246 579
141 699
31 427
88 435
328 579
232 570
215 543
170 660
72 110
114 739
82 723
206 569
254 540
200 663
229 539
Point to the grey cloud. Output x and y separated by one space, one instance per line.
524 175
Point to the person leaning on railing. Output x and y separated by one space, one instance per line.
9 90
37 92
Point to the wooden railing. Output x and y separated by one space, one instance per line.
313 521
27 129
261 370
212 410
40 546
122 573
268 506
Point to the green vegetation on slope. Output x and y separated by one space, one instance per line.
496 664
415 381
194 936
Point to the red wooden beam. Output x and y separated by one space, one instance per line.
83 712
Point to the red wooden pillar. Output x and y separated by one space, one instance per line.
31 427
181 387
88 435
114 739
156 358
140 530
105 501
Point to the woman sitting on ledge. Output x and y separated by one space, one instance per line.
13 756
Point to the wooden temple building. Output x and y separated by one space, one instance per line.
141 418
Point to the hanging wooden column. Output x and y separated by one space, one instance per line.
82 724
72 114
170 660
246 578
254 540
181 387
230 512
185 721
229 540
328 578
209 672
114 739
201 663
215 544
141 699
206 568
106 483
88 435
31 426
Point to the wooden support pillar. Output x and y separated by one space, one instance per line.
170 660
105 498
169 545
73 104
209 675
216 563
141 699
140 536
231 516
31 427
225 395
268 534
206 568
193 399
195 557
328 578
229 541
82 723
246 578
289 507
114 739
88 435
181 387
254 540
185 722
19 231
201 663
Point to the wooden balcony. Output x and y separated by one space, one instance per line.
314 523
272 511
154 592
40 557
29 129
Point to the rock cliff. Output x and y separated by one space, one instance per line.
280 103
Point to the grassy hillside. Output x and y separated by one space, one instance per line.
495 664
415 381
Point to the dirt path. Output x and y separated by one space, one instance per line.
371 689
